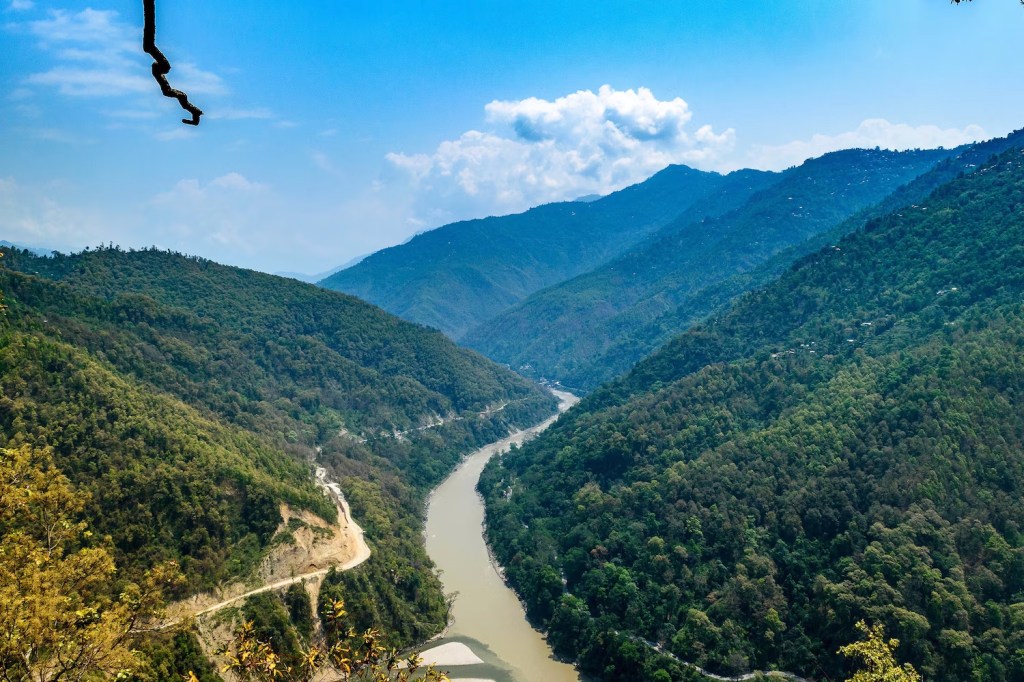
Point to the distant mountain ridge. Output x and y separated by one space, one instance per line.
589 329
313 279
33 249
457 276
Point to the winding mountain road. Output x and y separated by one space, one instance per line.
347 525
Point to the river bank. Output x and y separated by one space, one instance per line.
487 616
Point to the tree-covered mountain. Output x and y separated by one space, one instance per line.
191 399
844 444
457 276
596 326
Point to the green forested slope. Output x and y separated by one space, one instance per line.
697 304
264 336
594 327
459 275
191 400
166 482
846 443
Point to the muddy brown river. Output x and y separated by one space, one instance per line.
487 616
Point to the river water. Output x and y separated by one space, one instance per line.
487 616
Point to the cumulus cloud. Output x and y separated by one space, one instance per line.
872 132
20 5
536 151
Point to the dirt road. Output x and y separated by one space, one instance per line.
351 536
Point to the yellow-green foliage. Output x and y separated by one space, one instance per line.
189 400
166 482
348 657
62 614
877 655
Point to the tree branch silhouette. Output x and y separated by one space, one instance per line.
161 66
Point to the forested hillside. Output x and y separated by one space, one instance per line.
844 444
457 276
596 326
192 399
694 305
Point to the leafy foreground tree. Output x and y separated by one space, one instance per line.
350 656
59 618
878 657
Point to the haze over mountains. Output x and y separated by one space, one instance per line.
458 276
632 269
625 305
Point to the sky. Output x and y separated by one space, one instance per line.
336 128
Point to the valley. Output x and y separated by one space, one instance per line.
731 506
188 403
650 342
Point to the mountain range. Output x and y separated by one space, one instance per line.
632 305
460 275
633 268
841 444
803 410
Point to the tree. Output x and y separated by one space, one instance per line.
58 618
878 659
352 657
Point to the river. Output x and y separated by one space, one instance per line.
488 619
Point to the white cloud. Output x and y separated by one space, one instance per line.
90 82
20 5
237 181
190 78
232 114
179 133
86 29
98 55
872 132
59 135
324 163
40 216
539 150
224 212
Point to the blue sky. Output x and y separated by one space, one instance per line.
337 128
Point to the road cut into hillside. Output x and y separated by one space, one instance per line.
313 549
